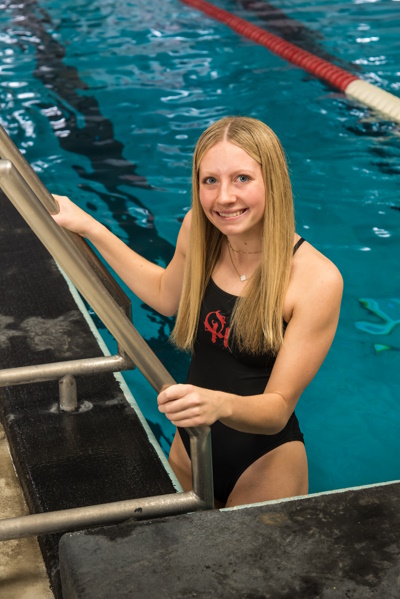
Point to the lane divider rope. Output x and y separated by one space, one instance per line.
353 87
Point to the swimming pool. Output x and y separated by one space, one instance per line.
107 99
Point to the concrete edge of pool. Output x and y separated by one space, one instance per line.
335 544
342 544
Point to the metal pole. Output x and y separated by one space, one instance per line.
201 457
51 372
65 252
68 393
99 515
81 274
9 151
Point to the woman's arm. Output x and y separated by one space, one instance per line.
158 287
307 340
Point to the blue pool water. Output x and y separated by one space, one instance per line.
106 100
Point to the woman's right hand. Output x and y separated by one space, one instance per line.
72 217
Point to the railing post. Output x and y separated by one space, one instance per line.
68 393
201 456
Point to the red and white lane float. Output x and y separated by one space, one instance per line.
353 87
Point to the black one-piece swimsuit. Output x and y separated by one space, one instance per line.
216 366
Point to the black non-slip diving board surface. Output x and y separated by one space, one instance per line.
331 546
97 455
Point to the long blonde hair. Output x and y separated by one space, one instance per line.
257 321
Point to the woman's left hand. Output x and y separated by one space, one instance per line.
188 406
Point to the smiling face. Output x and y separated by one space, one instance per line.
232 191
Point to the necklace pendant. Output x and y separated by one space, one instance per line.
243 278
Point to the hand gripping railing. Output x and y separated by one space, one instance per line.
34 202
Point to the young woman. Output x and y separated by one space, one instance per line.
256 305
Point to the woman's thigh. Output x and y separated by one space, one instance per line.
283 472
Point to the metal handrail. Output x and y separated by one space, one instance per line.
34 204
40 373
68 256
9 151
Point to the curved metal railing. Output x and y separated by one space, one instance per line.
35 203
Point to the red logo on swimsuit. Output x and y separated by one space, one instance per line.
215 323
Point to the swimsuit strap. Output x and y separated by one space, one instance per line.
298 244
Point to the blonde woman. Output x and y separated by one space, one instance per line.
257 306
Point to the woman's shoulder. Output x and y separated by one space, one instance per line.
182 243
314 281
186 224
314 268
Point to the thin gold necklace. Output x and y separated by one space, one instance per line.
243 278
242 251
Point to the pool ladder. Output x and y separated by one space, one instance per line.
35 203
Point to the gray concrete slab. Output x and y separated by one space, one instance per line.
330 546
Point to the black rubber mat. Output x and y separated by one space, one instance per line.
99 454
334 546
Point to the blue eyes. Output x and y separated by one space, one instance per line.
213 180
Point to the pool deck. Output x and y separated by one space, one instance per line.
341 544
22 570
